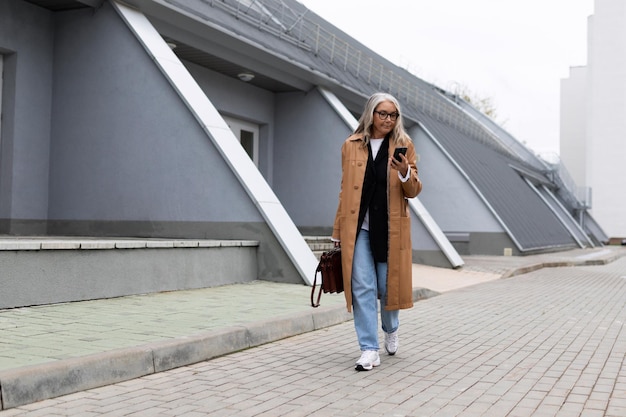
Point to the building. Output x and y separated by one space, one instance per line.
592 117
224 120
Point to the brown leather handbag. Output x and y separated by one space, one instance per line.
332 275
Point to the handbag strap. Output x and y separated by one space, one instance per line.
319 295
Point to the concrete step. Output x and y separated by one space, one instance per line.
37 271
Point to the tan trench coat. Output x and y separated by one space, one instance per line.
399 259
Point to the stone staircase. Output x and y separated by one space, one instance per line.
319 244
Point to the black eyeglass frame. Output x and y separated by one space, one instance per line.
383 115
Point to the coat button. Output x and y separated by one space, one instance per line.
352 211
360 164
356 187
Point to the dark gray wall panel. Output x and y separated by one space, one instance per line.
26 40
307 158
125 147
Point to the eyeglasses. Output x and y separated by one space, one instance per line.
383 115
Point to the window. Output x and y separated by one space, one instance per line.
248 135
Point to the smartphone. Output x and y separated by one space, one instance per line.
397 152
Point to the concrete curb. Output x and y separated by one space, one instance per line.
170 354
38 382
29 384
558 264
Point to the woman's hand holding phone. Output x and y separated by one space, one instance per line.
399 161
397 152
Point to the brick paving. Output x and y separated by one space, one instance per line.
43 334
546 343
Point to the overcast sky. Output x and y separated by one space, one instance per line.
513 52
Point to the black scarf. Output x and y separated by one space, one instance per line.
374 197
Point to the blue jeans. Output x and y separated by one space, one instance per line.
369 282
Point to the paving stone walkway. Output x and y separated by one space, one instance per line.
546 343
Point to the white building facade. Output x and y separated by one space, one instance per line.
593 117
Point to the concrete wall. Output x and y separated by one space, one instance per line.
307 159
489 243
124 145
26 41
35 277
425 249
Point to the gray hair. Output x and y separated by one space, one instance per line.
397 136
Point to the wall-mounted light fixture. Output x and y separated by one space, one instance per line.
245 76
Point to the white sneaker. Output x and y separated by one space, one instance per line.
368 360
391 342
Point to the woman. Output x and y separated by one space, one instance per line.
372 225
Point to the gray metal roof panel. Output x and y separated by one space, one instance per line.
525 215
565 217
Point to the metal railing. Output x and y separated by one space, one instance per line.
577 197
275 17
